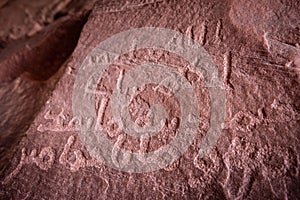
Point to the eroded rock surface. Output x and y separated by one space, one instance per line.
255 46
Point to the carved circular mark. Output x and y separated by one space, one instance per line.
151 120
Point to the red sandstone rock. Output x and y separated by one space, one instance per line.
255 46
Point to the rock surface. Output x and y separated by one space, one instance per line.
255 46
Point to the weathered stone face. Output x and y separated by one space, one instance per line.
255 48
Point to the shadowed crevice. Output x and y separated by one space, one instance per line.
28 75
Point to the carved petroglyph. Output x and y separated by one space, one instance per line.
80 160
197 33
119 81
45 160
172 86
144 143
63 122
203 33
218 35
163 80
57 122
90 87
190 33
120 161
227 62
101 111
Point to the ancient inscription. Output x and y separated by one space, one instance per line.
45 159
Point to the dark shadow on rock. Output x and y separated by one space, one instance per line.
29 71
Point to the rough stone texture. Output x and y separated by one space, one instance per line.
30 17
255 46
27 74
